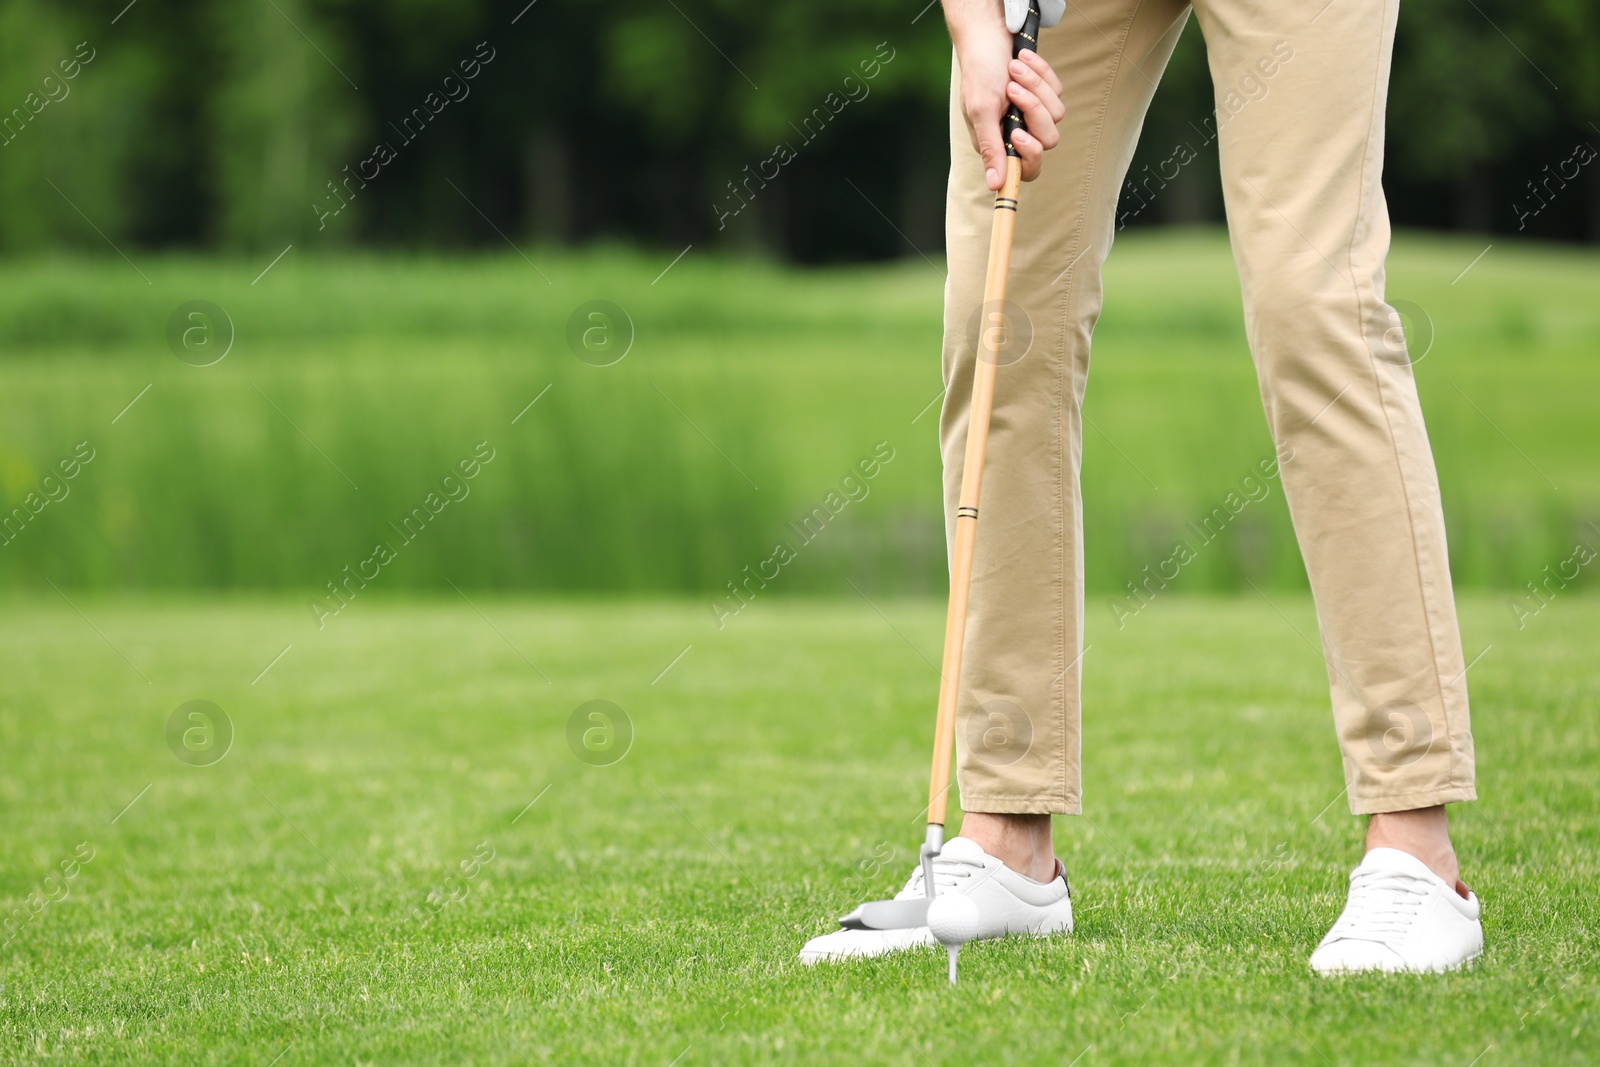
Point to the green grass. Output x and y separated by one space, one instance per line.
749 392
268 905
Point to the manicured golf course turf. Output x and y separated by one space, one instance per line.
401 859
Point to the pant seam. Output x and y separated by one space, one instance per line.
1068 804
1445 794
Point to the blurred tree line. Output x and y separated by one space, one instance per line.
814 129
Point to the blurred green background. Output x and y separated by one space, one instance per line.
751 391
550 155
215 124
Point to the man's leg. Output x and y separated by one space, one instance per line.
1301 151
1017 726
1301 87
1017 721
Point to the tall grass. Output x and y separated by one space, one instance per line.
355 386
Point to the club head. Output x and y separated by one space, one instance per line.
901 914
888 915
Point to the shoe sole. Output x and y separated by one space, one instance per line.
1341 972
1050 928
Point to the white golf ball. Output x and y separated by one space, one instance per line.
954 920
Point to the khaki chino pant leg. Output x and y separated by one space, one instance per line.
1300 100
1017 719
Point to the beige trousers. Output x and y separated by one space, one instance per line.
1301 87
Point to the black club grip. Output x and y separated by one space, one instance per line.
1026 38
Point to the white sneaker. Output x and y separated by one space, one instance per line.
1010 903
1401 917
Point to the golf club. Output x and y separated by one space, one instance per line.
901 914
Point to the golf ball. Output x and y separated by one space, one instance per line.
954 920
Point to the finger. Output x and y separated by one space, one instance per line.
1039 120
983 124
1029 78
1043 108
1037 63
972 135
1030 152
993 151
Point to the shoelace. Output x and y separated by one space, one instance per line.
1381 903
947 872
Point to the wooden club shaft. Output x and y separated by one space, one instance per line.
955 623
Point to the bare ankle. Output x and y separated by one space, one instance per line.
1423 833
1021 842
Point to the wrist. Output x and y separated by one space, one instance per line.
975 22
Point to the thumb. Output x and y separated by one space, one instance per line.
993 151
